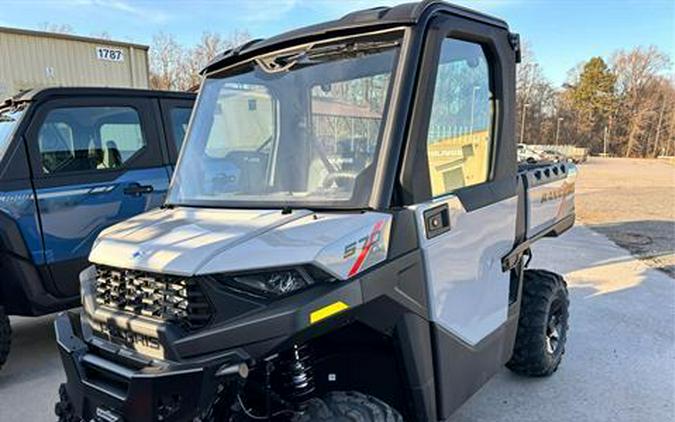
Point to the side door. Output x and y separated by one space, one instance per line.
95 161
176 117
464 185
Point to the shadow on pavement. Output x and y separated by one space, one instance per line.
650 240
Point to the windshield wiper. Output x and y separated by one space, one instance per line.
346 50
312 54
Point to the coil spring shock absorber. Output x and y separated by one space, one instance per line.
298 374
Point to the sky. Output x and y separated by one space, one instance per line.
562 33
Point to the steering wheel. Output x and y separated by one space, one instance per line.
340 179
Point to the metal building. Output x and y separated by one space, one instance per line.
33 59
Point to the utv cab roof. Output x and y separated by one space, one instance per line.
40 94
375 18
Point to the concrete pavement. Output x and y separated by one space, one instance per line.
620 360
619 366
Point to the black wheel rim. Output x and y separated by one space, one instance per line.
555 328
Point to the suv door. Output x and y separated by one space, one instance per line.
463 182
176 117
95 161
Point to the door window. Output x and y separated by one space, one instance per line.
180 117
460 126
89 138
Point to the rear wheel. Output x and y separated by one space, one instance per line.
5 336
542 326
348 406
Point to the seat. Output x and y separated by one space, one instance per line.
112 158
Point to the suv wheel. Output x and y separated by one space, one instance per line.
5 336
348 406
542 326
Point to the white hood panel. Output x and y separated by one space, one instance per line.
188 241
180 241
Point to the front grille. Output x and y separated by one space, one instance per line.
164 297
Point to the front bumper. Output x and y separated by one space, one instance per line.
110 383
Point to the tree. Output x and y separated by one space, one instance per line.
594 93
640 85
174 67
210 45
536 97
167 59
590 97
633 97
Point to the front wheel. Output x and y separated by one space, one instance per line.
348 406
542 326
5 336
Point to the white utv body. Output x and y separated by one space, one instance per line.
345 237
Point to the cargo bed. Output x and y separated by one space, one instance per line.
545 205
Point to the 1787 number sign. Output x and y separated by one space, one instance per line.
110 54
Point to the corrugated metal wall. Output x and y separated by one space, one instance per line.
31 59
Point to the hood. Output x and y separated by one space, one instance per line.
189 241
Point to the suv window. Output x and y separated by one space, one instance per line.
180 117
89 138
459 136
9 118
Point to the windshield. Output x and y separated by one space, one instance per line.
297 129
9 118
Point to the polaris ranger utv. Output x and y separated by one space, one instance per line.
344 239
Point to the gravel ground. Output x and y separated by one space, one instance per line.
632 202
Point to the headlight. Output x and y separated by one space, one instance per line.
274 283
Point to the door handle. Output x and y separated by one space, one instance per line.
136 189
437 221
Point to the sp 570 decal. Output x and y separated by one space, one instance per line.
364 245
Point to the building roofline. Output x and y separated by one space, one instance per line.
70 37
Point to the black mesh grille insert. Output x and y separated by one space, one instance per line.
168 298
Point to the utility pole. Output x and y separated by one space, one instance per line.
522 123
473 102
604 148
557 130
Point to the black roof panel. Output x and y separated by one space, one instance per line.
43 93
375 18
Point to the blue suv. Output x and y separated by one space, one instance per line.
72 162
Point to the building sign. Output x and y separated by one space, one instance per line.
110 54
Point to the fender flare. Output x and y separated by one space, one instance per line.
11 239
22 290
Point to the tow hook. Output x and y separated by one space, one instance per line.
105 415
240 369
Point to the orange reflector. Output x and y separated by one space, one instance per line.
327 311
